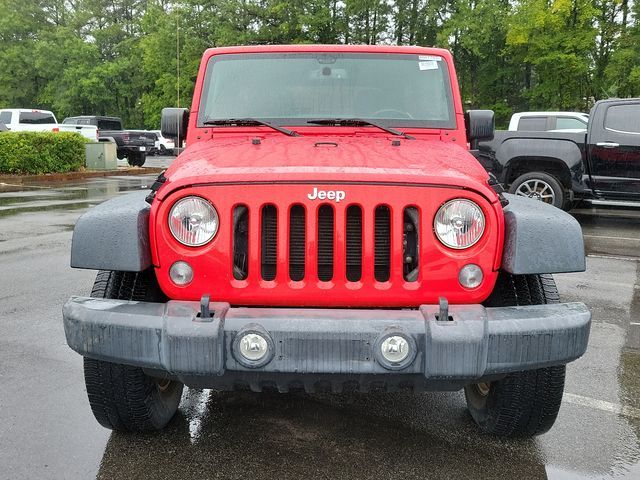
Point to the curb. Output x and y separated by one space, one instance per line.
57 177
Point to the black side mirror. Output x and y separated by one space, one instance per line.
480 126
174 123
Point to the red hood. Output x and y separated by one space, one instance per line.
314 159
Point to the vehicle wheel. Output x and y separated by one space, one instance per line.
163 150
540 186
123 397
522 404
136 159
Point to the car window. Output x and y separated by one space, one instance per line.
109 125
36 118
5 117
533 124
565 123
623 118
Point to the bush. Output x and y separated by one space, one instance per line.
41 152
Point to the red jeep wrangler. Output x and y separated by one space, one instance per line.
327 229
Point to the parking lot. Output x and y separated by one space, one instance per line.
47 429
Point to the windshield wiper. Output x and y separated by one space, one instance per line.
354 122
240 122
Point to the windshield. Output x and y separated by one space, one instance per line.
291 88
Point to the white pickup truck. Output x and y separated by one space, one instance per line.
29 120
549 121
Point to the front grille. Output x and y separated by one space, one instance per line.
335 244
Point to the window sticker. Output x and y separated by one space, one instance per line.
428 65
429 57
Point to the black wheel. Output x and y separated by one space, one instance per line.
123 397
540 186
522 404
163 150
136 159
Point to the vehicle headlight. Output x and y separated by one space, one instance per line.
193 221
459 223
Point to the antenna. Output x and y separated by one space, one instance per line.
178 55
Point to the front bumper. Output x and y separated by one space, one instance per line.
326 344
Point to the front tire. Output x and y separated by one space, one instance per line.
123 397
522 404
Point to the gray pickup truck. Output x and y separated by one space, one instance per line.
132 144
599 165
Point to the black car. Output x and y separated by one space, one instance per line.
131 144
600 165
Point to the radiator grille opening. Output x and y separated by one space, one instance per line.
354 243
411 244
240 242
382 243
297 243
325 243
269 236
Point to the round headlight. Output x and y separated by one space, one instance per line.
459 223
193 221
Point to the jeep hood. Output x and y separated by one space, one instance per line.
326 160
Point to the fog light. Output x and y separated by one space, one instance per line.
253 347
395 349
470 276
181 273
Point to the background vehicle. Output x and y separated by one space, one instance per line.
132 144
545 121
28 120
601 165
334 234
164 146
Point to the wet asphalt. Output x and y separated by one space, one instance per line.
47 430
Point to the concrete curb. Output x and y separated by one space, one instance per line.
58 177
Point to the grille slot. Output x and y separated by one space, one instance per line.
297 242
240 242
269 236
325 243
382 241
411 244
354 243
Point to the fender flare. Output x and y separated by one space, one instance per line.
540 238
114 235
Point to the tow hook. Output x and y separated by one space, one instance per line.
205 314
443 316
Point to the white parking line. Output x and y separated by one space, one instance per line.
609 237
612 257
602 405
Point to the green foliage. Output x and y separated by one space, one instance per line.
41 152
120 58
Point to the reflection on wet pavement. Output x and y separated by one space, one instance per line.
32 205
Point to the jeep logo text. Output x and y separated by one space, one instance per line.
336 195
